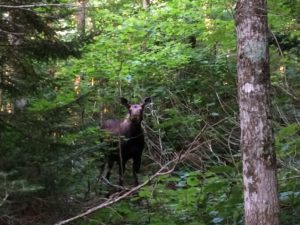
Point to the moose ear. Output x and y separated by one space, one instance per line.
124 102
146 101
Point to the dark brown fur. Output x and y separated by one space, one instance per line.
131 136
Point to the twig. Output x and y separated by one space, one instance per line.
289 178
4 199
277 43
10 32
125 193
121 195
286 91
103 178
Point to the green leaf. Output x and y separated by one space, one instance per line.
192 181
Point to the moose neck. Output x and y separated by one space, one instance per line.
134 127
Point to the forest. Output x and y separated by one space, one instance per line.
207 98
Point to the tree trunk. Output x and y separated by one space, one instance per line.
81 16
259 162
146 4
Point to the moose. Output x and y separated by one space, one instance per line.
131 139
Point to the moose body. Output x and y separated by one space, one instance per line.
131 139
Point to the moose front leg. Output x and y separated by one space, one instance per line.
135 169
121 172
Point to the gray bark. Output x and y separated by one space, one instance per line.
257 145
81 16
146 4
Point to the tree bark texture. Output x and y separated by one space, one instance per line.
146 4
257 145
81 16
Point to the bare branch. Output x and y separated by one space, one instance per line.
4 199
277 43
10 32
123 194
167 168
37 5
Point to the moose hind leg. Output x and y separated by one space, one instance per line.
110 166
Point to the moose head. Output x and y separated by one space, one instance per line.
135 111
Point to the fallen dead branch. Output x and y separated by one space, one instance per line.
123 194
167 168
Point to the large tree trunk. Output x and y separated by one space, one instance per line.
81 16
259 163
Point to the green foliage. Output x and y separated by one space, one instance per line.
182 54
288 140
287 143
187 197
